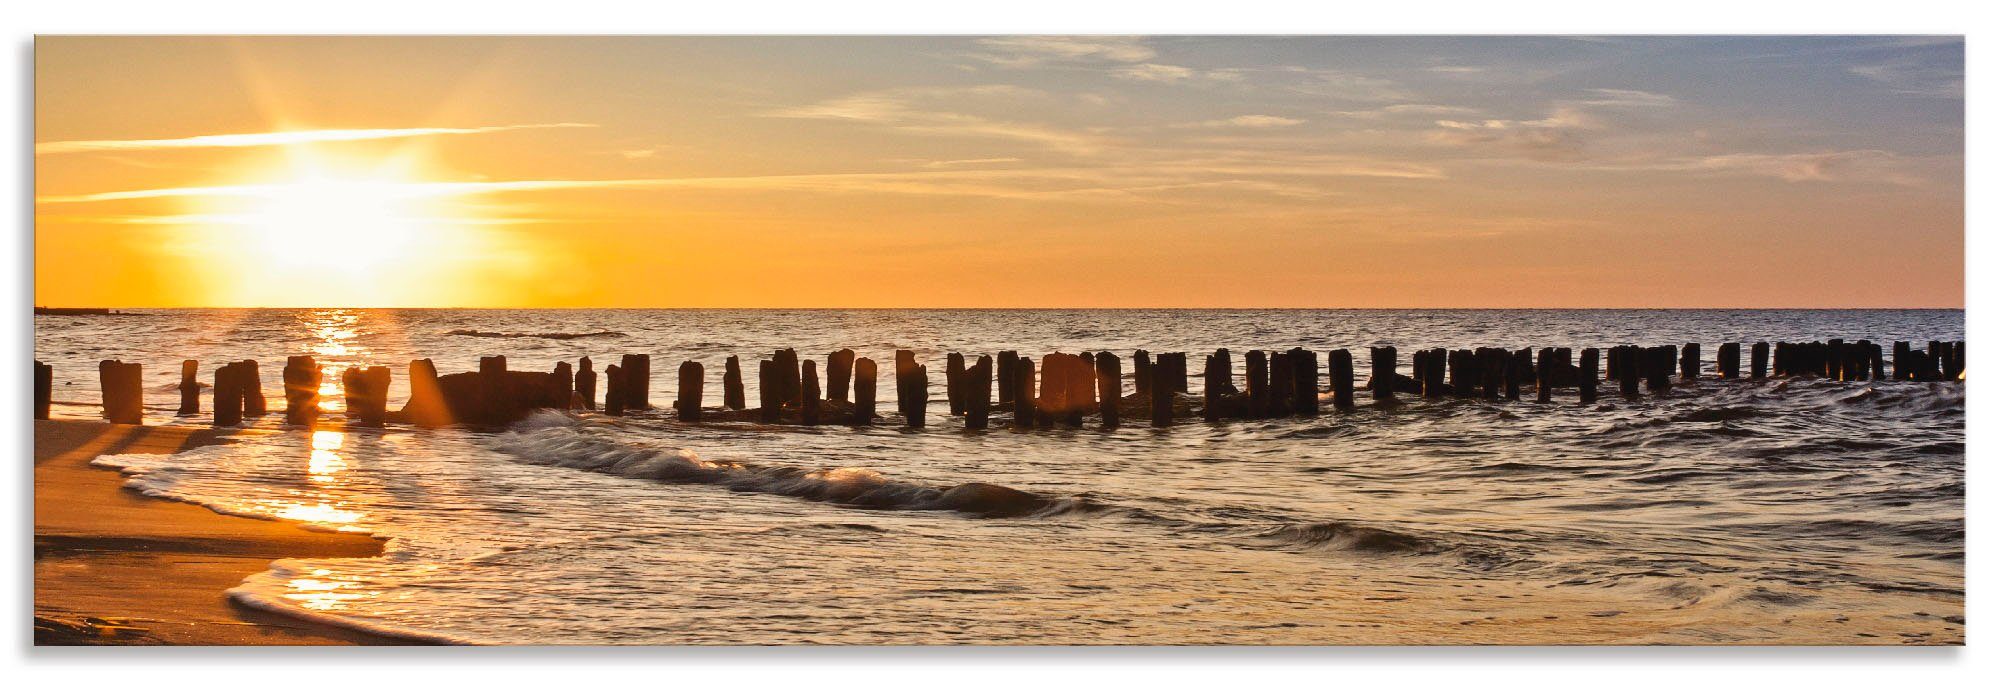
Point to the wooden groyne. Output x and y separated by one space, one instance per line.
1067 388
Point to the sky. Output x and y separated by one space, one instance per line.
1008 171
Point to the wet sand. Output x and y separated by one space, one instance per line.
115 567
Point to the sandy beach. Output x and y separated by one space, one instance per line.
115 567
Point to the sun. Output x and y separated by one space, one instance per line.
322 226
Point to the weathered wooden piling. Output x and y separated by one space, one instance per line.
1586 376
1024 392
1282 384
1257 383
1175 366
228 395
1658 364
978 393
1082 391
1429 368
562 390
954 381
638 377
1729 360
1163 400
1109 391
1382 373
190 389
809 402
864 392
1214 374
770 397
1760 359
1305 381
1875 361
1340 372
1690 361
1052 400
1545 375
687 403
586 383
732 383
122 390
1004 373
302 380
787 363
427 406
366 393
839 370
45 389
1834 359
1142 372
912 388
614 390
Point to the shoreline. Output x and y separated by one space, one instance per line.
115 567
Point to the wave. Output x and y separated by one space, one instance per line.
541 440
545 336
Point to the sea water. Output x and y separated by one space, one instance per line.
1775 511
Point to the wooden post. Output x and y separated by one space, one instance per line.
1660 368
688 403
1004 373
864 392
640 384
614 390
1760 359
1958 367
1690 361
809 402
586 383
122 388
912 388
45 389
1213 373
732 383
228 395
1082 393
366 391
1340 371
1586 376
1257 383
1729 360
1163 398
839 370
978 393
1305 382
954 382
1830 366
427 407
1899 360
1545 375
563 388
190 389
1875 361
1177 374
770 397
1109 391
1282 384
253 390
1024 392
1382 373
302 379
1052 403
787 362
1142 372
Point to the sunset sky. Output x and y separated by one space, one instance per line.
1000 172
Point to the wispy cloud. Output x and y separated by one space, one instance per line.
1246 121
1914 78
923 111
278 138
1558 137
1609 97
1409 110
1036 50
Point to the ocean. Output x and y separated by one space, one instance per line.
1741 512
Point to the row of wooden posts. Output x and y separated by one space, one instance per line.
1070 386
